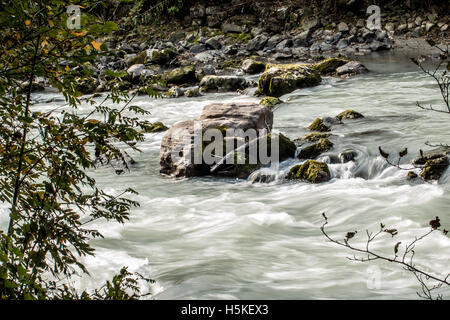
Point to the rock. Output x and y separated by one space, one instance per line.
402 28
174 92
310 23
208 56
411 175
251 66
315 136
230 50
434 168
179 140
156 127
257 43
342 44
180 76
234 28
280 79
315 150
282 56
427 157
160 57
303 39
389 27
319 126
209 70
343 27
347 156
377 46
349 114
324 47
136 70
192 92
222 83
287 43
197 48
213 43
329 66
428 26
85 85
270 102
137 59
272 42
444 28
311 171
368 35
351 68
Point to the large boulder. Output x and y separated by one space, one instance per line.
179 147
310 171
281 79
222 83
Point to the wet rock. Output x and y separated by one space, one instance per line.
347 156
319 126
351 68
434 168
430 156
192 92
174 92
314 136
251 66
85 85
349 114
222 83
178 148
311 171
270 102
156 127
411 175
315 150
329 66
281 79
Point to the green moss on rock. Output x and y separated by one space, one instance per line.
286 149
311 171
138 59
270 102
251 66
434 168
282 79
315 136
162 57
349 114
315 150
319 126
156 127
329 66
179 76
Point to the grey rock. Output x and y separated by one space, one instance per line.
213 43
197 48
214 83
287 43
343 27
351 68
303 39
257 43
209 70
342 44
231 27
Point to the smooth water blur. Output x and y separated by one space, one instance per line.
210 238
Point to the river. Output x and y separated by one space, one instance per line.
210 238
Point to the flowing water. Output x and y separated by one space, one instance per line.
210 238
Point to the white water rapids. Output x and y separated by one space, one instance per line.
210 238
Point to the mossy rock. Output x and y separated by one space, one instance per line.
315 136
319 126
161 57
311 171
315 150
282 79
286 149
179 76
251 66
329 66
87 85
230 64
349 114
138 59
434 168
156 127
270 102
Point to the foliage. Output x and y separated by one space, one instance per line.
45 157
